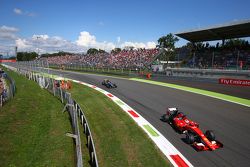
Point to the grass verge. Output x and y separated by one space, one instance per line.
33 128
118 140
111 72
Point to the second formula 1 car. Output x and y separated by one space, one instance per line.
108 84
194 136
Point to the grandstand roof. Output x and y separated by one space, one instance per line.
237 29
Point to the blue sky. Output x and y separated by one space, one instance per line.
109 23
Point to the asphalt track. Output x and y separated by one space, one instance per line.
229 121
208 84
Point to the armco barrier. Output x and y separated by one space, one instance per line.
87 132
208 73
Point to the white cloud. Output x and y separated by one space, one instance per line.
86 40
8 33
89 41
151 45
25 13
7 29
40 37
148 45
22 44
46 44
133 44
49 44
18 11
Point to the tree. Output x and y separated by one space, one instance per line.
101 51
92 51
116 50
26 56
168 43
236 43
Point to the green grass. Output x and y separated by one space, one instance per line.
111 72
33 128
118 140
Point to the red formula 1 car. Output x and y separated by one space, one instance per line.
194 135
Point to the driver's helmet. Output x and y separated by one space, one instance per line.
180 114
184 117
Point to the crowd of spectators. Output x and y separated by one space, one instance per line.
225 59
122 59
222 58
3 88
231 54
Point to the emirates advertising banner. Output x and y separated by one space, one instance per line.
237 82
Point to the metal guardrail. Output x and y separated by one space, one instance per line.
87 132
209 73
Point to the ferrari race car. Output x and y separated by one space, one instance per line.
108 84
194 136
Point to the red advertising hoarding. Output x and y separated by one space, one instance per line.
7 61
237 82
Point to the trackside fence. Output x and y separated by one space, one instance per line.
74 110
168 72
87 132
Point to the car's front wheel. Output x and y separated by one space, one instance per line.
190 138
210 135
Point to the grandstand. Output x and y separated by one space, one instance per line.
231 54
125 59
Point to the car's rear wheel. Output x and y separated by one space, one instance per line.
190 138
210 135
164 118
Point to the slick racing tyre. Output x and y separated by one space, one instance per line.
210 135
190 138
164 118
